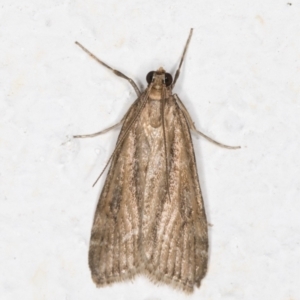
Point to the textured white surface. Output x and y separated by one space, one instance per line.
241 84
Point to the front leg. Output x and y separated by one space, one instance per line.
193 127
116 72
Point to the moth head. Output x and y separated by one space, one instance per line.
159 78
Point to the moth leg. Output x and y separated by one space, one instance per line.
182 57
100 132
118 73
193 127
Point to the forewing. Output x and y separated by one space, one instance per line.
174 231
113 253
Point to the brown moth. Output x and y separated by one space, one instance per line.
150 217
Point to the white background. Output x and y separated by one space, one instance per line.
241 84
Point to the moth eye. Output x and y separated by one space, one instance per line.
168 79
149 77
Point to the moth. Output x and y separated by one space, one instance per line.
150 217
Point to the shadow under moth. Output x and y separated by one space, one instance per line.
150 217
